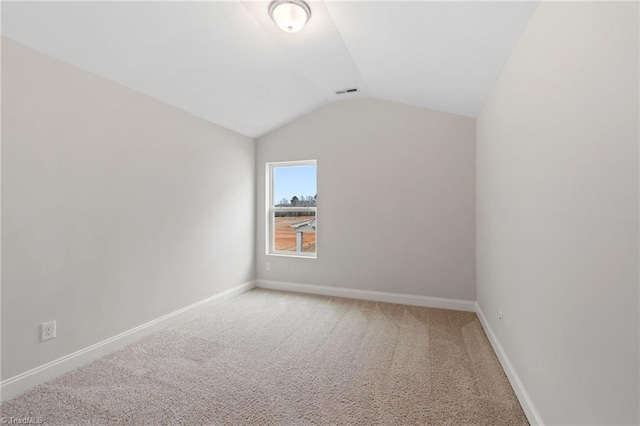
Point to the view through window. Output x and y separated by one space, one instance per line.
293 208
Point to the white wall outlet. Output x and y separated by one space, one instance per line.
268 266
500 318
47 330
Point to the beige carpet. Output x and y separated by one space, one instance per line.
282 358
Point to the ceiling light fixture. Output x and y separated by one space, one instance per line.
289 15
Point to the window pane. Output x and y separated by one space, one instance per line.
294 186
295 230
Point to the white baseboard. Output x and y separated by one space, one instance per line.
523 396
16 385
377 296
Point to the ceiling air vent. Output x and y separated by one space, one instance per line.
345 91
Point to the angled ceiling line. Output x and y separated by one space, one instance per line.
365 89
279 47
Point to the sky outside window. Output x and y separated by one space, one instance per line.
294 180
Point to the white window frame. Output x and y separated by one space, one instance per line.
270 210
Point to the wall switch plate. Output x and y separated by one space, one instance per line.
47 330
500 317
268 266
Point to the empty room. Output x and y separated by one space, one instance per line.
289 212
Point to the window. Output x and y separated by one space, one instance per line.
292 208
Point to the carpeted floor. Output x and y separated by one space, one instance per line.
282 358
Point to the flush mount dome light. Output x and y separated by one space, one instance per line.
289 15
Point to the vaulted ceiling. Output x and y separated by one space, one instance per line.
227 62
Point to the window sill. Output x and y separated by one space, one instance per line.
299 256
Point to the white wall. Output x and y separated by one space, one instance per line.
396 199
557 211
116 208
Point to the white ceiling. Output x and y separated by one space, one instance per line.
227 62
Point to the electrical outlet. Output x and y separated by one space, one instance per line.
268 266
500 318
47 330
